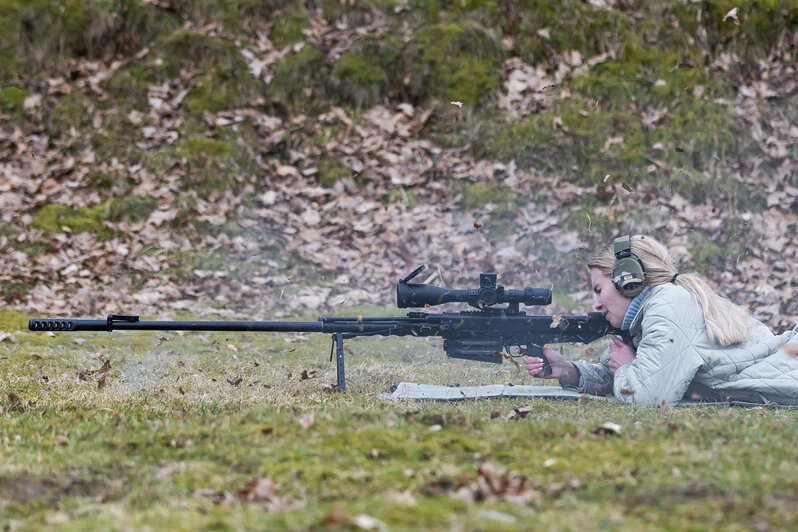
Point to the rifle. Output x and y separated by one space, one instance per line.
481 335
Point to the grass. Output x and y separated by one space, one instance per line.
167 442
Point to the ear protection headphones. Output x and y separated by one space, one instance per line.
628 272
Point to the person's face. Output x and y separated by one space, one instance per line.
609 301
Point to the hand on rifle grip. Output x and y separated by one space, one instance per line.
535 361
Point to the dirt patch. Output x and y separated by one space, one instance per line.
24 488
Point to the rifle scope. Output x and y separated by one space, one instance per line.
488 294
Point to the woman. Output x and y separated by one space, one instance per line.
689 343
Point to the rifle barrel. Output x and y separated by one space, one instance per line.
65 324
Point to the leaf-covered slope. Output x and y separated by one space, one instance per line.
251 156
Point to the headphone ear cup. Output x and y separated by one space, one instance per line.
628 276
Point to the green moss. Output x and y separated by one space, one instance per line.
194 46
300 78
616 84
232 16
184 47
722 249
361 81
15 291
456 61
43 32
29 245
128 86
161 159
502 203
477 195
541 29
58 218
287 28
12 100
703 127
763 24
226 80
70 113
11 62
211 96
211 164
332 170
184 263
214 260
369 72
585 147
328 132
13 320
357 13
130 208
200 147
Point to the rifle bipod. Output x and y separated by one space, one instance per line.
338 347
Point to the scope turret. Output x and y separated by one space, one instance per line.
488 294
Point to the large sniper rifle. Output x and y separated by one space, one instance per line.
480 335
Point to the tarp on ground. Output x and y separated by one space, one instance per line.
412 390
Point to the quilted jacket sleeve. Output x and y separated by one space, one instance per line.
667 358
594 379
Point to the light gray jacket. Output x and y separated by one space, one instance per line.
676 360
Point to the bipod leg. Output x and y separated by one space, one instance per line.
338 347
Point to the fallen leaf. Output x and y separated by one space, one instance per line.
402 497
557 320
607 428
519 413
337 516
58 518
263 491
495 413
507 356
366 522
260 490
732 14
306 421
307 375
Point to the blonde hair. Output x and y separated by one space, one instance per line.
726 322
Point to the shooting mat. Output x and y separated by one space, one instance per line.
412 390
431 392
